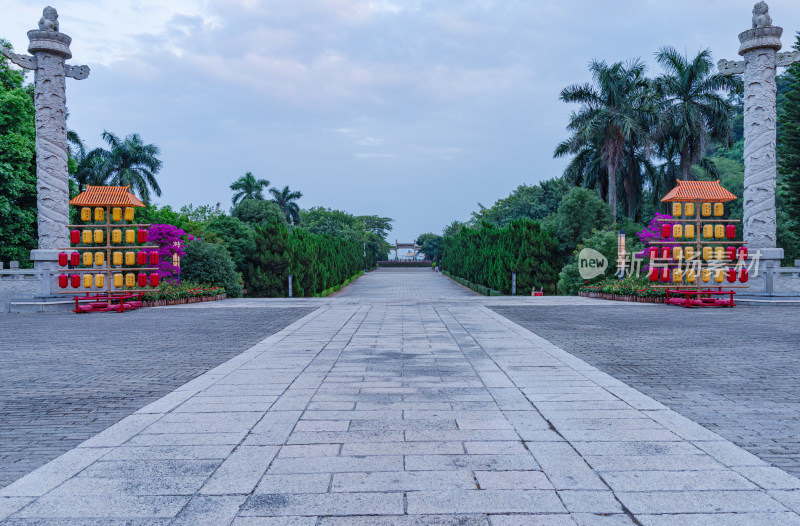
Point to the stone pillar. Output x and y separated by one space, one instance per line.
759 47
50 50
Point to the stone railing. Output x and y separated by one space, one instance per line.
16 282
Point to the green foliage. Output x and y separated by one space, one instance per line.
526 202
789 166
248 187
487 255
429 245
370 231
17 166
580 212
638 287
317 262
236 235
605 242
210 264
285 199
258 212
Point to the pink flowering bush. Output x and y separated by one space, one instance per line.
170 240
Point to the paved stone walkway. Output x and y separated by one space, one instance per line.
736 372
405 413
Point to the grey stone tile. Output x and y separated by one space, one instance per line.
532 520
407 520
210 510
564 467
652 463
698 502
169 452
241 471
474 462
340 437
403 481
484 501
512 480
403 448
53 473
730 454
303 483
186 439
311 450
141 485
104 506
721 519
676 480
271 505
337 464
590 501
275 521
141 469
9 505
769 477
496 448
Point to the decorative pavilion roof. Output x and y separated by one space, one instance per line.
106 196
709 191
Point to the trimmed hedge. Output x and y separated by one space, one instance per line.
411 264
480 289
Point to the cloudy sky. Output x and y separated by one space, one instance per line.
412 109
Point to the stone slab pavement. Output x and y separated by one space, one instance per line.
395 413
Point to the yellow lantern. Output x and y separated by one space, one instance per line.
98 236
689 209
677 253
116 258
719 209
688 253
706 209
86 237
719 275
99 281
99 214
116 236
130 279
130 259
86 214
676 209
99 258
708 253
708 231
129 213
116 214
117 280
705 275
719 231
87 281
677 275
130 236
87 259
688 231
719 253
691 277
677 231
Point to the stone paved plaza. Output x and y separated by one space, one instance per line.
404 400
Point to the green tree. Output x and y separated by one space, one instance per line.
210 264
18 233
580 212
525 202
285 199
380 226
692 109
248 187
256 211
237 236
128 162
268 273
789 161
614 110
429 245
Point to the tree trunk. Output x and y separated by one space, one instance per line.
612 187
686 165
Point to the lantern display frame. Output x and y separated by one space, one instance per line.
115 299
700 294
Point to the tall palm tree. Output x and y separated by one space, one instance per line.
692 109
614 110
286 200
90 166
131 162
248 187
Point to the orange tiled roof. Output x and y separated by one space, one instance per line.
106 196
698 191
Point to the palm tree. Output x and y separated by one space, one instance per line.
90 166
692 109
614 110
130 162
248 187
286 200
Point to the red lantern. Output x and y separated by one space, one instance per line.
744 275
142 236
63 281
666 230
63 259
154 258
666 252
742 253
653 274
730 253
665 275
74 259
730 231
75 237
154 280
142 278
141 259
731 275
75 281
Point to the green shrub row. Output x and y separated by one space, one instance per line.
639 287
487 255
480 289
408 264
327 292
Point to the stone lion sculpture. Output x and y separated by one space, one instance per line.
49 20
761 16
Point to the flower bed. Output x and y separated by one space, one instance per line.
628 289
179 294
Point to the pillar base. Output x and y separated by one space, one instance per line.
45 262
765 261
